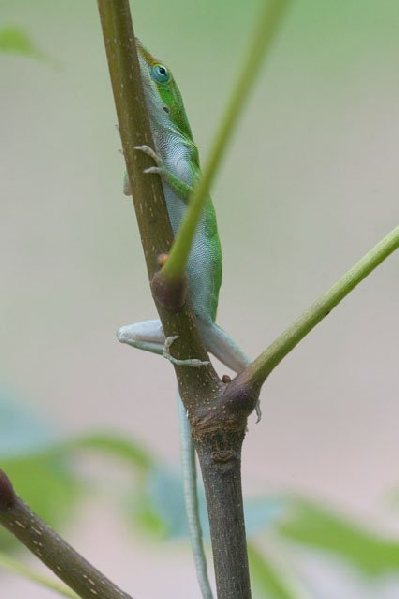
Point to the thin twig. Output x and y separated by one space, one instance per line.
259 370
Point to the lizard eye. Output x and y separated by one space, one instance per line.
160 73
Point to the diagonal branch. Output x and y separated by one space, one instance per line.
51 549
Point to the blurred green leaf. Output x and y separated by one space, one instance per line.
15 40
21 431
113 445
164 512
270 580
29 455
146 517
163 499
46 483
312 525
263 512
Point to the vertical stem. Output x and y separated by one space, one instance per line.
221 471
218 410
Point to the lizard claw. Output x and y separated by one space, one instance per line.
193 362
155 170
151 153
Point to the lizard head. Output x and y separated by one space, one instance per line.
165 104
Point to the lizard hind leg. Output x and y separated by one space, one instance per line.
225 349
147 336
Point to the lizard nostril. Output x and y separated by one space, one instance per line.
166 109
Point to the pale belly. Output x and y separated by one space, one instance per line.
204 264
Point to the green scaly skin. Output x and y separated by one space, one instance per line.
178 164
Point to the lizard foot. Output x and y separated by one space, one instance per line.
154 170
179 186
190 362
152 154
159 169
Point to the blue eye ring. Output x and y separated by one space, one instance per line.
160 74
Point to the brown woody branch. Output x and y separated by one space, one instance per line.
51 549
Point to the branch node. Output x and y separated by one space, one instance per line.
170 293
241 395
223 456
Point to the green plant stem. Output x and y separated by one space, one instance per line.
259 370
261 42
17 567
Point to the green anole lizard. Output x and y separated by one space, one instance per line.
177 163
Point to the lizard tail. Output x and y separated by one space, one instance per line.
187 457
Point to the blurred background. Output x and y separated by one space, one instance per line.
309 184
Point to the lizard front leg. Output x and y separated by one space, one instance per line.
148 336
